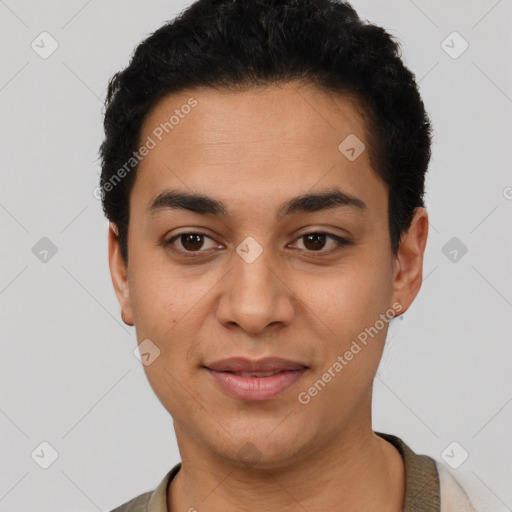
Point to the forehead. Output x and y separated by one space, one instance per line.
294 110
266 141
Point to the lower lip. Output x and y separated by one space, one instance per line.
256 388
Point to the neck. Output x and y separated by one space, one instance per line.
361 471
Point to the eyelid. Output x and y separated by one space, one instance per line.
339 240
169 243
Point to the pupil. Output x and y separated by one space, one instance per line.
315 238
315 241
192 239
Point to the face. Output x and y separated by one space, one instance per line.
256 269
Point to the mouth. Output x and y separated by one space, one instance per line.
248 380
260 366
257 374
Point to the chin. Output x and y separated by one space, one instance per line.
272 445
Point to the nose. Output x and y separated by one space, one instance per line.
256 295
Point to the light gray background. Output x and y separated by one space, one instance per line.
68 375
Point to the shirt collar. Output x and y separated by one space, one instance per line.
421 481
422 491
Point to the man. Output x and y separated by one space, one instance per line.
263 173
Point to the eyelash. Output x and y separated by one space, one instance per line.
340 241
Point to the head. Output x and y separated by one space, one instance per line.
263 174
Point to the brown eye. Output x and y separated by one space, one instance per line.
314 241
192 241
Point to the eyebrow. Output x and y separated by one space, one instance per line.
203 204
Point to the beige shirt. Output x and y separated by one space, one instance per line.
422 486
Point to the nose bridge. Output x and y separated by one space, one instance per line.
253 270
255 296
253 279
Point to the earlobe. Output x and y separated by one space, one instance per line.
408 273
123 318
118 274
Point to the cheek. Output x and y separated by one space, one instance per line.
170 307
350 303
352 296
174 332
160 294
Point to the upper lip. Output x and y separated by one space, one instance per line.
267 364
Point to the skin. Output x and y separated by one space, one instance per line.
254 150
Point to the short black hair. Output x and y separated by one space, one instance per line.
234 44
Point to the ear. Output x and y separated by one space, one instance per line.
408 264
118 273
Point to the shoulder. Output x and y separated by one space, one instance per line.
463 491
137 504
151 501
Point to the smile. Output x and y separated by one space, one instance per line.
255 386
